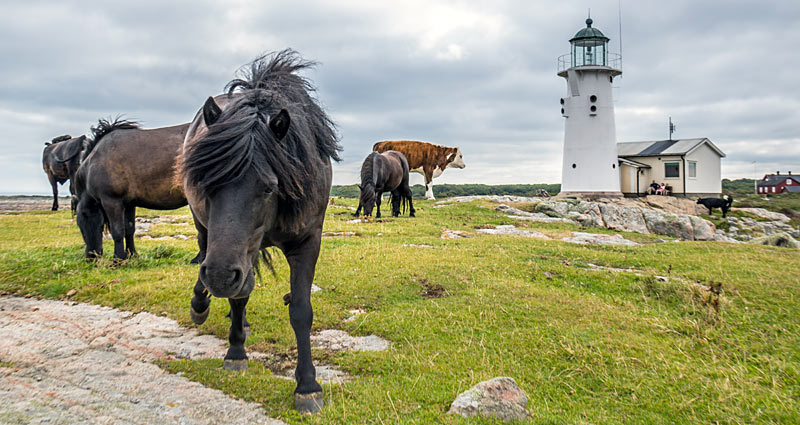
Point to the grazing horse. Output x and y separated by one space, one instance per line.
723 203
256 169
384 172
125 167
60 160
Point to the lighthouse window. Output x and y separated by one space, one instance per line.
593 98
672 169
573 165
593 108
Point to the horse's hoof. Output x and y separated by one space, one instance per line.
199 318
235 364
309 403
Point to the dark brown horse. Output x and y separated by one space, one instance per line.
384 172
60 160
256 169
125 167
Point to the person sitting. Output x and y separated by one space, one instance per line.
653 188
662 189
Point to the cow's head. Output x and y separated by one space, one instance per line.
455 159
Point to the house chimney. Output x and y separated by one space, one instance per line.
779 173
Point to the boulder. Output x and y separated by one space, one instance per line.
498 397
677 226
784 240
598 239
624 218
761 212
553 208
704 230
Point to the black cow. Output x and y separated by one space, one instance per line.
723 203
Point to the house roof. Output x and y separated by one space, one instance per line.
664 147
776 179
793 189
632 163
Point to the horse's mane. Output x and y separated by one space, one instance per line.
241 141
369 178
59 139
103 127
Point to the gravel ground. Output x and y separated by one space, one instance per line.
69 363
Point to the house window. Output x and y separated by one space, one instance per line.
788 181
773 189
692 171
672 169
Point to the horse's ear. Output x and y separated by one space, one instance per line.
279 124
211 111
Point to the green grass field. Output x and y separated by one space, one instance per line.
587 346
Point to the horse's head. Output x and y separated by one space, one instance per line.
232 187
367 198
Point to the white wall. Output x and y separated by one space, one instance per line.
590 141
709 173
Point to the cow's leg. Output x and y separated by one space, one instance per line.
429 184
302 261
236 358
396 203
55 191
89 217
724 211
378 197
115 212
130 229
202 241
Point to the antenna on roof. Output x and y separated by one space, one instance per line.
672 128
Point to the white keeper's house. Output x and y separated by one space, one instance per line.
690 167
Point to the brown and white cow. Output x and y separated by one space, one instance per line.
425 158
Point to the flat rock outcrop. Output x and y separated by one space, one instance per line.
500 398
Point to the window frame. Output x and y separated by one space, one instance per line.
678 168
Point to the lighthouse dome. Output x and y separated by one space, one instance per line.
589 33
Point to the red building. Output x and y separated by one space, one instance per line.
779 183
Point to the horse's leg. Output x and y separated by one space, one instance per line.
115 212
130 228
201 300
407 195
358 210
245 323
378 196
89 217
236 358
395 203
302 262
53 183
200 303
202 241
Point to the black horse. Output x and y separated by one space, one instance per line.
60 160
256 169
384 172
125 167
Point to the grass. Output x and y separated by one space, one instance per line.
586 346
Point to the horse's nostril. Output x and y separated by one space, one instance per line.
237 277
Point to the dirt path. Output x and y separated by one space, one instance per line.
63 364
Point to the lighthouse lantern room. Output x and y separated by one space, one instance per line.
590 164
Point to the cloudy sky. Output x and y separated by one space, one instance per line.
479 75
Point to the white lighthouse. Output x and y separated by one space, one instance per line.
590 168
